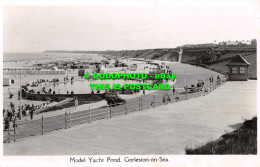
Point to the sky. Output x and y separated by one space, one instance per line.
127 27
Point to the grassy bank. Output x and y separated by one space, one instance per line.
240 141
250 58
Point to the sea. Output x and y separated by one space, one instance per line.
37 55
28 59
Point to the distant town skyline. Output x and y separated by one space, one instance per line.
99 28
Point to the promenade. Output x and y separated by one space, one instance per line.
166 129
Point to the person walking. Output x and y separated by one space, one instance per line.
12 105
218 80
19 110
76 102
31 113
6 124
163 100
14 122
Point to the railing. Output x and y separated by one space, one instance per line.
17 130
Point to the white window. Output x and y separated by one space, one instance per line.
242 70
234 70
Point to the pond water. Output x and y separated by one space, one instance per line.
83 86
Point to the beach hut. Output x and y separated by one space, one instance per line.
238 69
7 82
81 72
133 67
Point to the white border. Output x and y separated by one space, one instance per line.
174 160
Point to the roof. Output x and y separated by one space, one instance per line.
238 60
232 42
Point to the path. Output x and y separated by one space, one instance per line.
166 129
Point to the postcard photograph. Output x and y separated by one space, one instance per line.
145 79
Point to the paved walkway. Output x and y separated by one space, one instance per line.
166 129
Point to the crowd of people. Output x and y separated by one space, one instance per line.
26 110
9 116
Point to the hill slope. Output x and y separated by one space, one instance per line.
212 57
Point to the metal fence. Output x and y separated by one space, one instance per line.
17 130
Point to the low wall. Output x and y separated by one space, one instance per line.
61 97
33 72
55 105
236 77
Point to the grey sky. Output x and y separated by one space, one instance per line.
39 28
